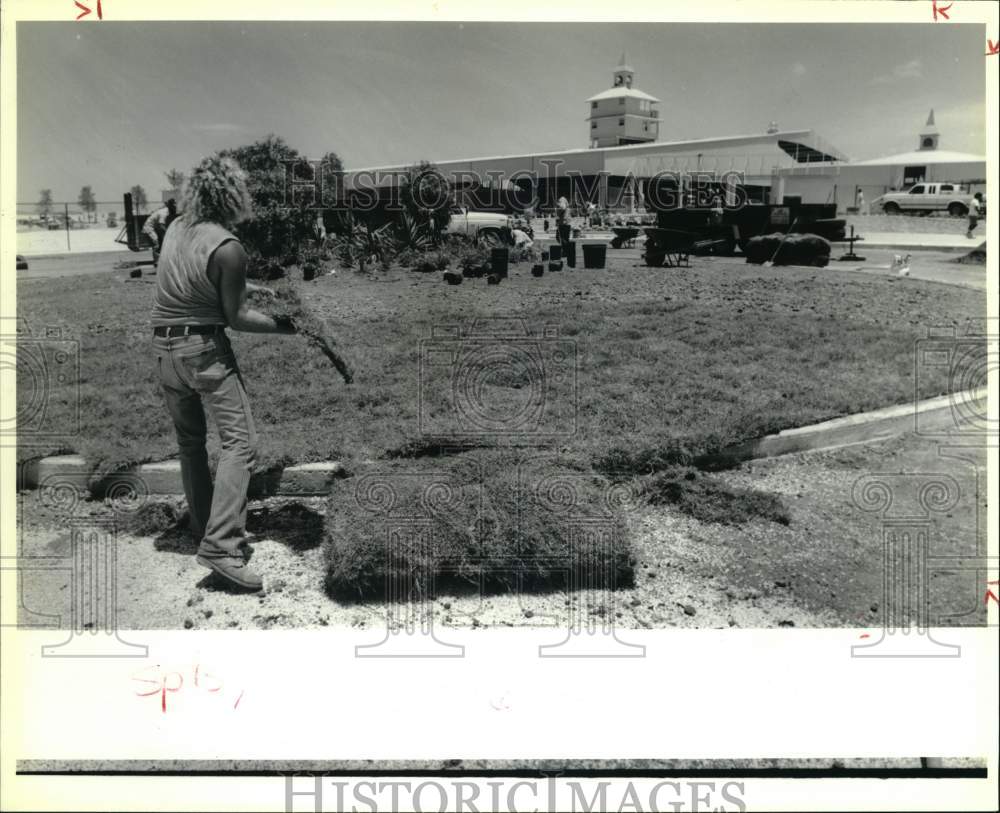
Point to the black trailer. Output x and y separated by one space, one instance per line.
717 227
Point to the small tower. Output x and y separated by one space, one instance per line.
929 135
623 114
624 73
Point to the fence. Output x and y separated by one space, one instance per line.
38 224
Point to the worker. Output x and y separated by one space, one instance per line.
156 226
861 202
717 211
521 238
975 206
200 291
562 220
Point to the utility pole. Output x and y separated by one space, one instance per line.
66 212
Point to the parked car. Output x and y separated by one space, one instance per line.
493 228
924 198
22 264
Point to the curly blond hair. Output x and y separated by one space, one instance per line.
216 191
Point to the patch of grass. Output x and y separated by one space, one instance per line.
669 364
708 499
493 518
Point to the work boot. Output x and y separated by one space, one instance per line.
232 568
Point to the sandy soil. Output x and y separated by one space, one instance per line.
822 570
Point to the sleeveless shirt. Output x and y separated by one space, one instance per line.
184 293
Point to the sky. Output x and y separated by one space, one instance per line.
117 104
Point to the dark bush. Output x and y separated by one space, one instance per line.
474 516
279 227
426 198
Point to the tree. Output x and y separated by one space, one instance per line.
44 205
334 201
282 218
138 197
426 197
175 178
87 202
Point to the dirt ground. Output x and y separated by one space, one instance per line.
822 570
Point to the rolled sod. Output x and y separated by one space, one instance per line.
490 518
287 304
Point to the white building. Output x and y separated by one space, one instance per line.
840 182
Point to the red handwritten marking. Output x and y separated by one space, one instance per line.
865 635
990 595
166 688
941 10
993 48
85 10
161 684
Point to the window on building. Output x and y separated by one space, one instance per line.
645 127
593 105
621 100
621 122
593 125
928 143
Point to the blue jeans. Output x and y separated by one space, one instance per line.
199 375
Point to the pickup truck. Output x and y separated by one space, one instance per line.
924 198
491 228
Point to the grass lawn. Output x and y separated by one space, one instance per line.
669 363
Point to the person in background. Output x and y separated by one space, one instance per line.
717 212
562 220
521 238
156 225
974 209
861 202
201 290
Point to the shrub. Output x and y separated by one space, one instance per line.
524 254
476 516
427 261
426 198
278 227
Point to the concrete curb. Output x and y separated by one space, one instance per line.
902 245
164 478
946 416
940 417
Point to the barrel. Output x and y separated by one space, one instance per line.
499 258
571 253
594 255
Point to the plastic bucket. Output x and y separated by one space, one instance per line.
594 255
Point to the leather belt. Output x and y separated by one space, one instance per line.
170 331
